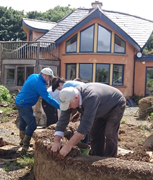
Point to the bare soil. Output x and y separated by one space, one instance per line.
132 134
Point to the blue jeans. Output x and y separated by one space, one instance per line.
27 120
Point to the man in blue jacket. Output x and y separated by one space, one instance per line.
33 88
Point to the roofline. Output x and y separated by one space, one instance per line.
144 58
34 29
128 15
98 13
39 20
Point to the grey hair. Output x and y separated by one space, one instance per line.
76 93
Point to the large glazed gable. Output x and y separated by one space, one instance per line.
134 29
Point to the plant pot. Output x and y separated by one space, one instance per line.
84 148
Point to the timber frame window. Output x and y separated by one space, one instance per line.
104 40
87 39
70 71
86 72
118 74
71 45
10 75
17 74
119 45
111 74
103 73
95 39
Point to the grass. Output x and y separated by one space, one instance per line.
123 121
4 118
6 111
26 161
143 127
7 166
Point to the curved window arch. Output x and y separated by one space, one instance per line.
87 39
104 39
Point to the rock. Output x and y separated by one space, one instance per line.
148 144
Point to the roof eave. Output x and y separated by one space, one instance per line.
34 29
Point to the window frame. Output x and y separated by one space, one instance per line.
122 75
91 72
92 42
66 45
108 74
121 40
15 67
110 39
67 69
10 68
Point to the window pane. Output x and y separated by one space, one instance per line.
87 39
85 72
102 73
71 45
29 71
20 76
118 75
70 71
10 79
149 83
119 45
104 39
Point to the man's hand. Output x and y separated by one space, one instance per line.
56 146
72 142
65 150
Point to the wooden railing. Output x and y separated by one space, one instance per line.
28 50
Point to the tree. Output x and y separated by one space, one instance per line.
150 43
11 24
53 15
11 21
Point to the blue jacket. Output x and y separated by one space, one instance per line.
34 87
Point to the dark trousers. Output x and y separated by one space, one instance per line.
51 113
104 132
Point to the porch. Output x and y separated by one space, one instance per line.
20 59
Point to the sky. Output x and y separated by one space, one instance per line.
139 8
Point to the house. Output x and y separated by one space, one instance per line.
20 59
97 45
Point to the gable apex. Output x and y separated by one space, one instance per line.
100 14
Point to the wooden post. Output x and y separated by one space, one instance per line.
37 58
0 63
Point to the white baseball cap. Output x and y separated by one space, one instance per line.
48 72
66 95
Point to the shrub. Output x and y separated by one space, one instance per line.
5 94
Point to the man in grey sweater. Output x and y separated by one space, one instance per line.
102 108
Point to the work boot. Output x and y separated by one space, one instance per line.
22 134
26 144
